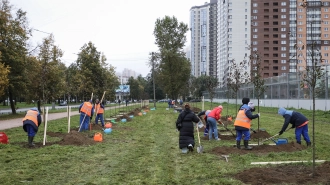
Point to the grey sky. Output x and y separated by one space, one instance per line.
121 29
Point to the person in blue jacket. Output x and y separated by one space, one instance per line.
31 123
298 121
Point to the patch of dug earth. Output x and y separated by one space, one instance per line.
260 135
125 116
261 149
195 109
76 138
288 174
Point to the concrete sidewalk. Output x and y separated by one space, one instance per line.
12 123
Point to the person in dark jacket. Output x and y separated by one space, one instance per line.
31 123
243 124
186 127
207 126
298 121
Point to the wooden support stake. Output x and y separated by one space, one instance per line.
45 130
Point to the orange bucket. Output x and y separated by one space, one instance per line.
98 137
108 125
3 138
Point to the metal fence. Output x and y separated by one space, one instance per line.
278 87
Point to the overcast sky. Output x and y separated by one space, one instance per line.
121 29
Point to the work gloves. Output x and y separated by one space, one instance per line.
280 133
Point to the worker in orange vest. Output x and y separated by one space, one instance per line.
99 111
31 123
86 111
243 124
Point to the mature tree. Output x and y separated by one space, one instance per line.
4 71
14 34
238 75
52 71
174 67
257 79
34 80
134 87
92 74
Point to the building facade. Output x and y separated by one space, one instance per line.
234 35
203 58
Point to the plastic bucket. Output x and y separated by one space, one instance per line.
3 138
108 130
108 125
131 116
98 137
281 141
123 120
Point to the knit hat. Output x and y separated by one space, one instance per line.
245 100
220 106
251 105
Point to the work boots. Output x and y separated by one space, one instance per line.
30 140
309 144
238 144
246 145
299 142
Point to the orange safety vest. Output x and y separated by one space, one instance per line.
31 115
99 109
242 120
87 108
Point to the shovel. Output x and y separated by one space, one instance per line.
200 147
272 138
227 129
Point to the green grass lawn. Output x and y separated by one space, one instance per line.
142 151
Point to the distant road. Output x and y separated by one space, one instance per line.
8 111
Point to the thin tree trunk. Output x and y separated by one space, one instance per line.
12 105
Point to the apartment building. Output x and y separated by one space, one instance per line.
203 39
234 34
313 31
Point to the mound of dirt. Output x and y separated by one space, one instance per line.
77 139
287 174
261 149
195 109
260 135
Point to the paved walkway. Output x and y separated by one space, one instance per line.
12 123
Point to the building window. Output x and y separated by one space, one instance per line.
245 29
300 22
326 42
245 3
283 23
255 11
230 10
229 42
255 49
283 48
326 16
230 48
230 16
326 48
325 3
300 29
230 55
326 35
326 61
283 3
245 35
326 22
245 10
326 9
283 10
300 10
283 67
300 16
300 35
245 16
326 54
283 35
230 35
255 42
230 4
283 61
299 61
283 16
255 29
283 55
255 4
283 29
283 42
326 29
255 36
230 29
